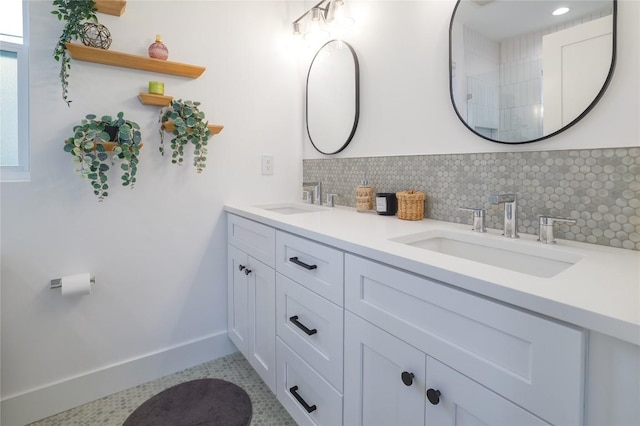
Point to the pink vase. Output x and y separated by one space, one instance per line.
158 50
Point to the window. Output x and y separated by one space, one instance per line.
14 93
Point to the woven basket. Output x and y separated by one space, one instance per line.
411 205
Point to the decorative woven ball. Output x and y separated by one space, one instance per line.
96 35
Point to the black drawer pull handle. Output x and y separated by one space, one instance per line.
310 332
247 271
310 409
300 263
241 267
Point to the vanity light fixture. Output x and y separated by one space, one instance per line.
330 12
560 11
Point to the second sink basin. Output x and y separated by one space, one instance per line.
540 261
293 208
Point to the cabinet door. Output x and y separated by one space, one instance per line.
262 321
238 299
251 304
374 391
463 402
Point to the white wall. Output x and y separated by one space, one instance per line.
405 105
158 251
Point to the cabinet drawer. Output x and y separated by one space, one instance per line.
253 238
312 326
535 362
315 266
296 378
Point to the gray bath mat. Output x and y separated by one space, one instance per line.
198 402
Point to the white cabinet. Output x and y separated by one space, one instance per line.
343 339
386 383
534 362
251 295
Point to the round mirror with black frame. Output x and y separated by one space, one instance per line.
333 97
523 71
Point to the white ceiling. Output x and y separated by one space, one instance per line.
502 19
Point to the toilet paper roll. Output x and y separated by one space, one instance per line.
76 285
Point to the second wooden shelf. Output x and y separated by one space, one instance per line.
152 99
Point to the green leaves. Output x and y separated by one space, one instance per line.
91 159
190 127
74 13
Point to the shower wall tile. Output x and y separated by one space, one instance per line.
599 188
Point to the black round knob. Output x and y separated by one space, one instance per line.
407 378
433 395
247 271
241 267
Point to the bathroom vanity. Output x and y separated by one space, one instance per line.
358 319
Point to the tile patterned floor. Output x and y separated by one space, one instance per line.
113 410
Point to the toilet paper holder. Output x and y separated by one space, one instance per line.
57 282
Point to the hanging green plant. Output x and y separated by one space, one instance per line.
97 144
74 13
187 124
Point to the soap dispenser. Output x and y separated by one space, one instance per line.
364 196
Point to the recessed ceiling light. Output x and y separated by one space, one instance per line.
560 11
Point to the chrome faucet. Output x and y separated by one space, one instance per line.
316 197
510 213
545 233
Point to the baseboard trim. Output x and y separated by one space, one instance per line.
43 402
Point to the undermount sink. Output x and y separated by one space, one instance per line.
292 208
540 261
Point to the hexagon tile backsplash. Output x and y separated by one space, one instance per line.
600 188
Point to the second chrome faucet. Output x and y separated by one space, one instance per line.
510 213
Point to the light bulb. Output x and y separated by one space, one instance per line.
314 33
340 16
296 29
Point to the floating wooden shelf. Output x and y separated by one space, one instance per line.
108 146
111 7
127 60
213 128
152 99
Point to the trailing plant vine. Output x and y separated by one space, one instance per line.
74 13
189 126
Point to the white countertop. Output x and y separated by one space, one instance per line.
601 292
